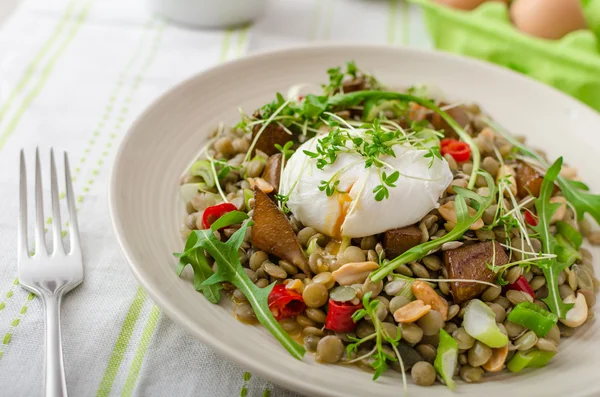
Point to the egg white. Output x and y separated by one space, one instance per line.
352 210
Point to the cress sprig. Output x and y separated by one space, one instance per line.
371 141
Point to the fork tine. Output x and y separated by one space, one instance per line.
73 226
22 234
56 222
40 239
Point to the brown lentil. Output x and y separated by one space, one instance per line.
546 345
423 374
491 293
304 321
431 323
245 312
397 302
411 333
516 297
315 295
479 354
428 352
311 342
419 270
463 339
313 331
316 315
453 311
499 311
526 341
325 278
305 234
330 349
470 374
502 301
274 271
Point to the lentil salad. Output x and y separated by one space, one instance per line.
489 278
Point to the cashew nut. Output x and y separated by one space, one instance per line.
354 272
578 313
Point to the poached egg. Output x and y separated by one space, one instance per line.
352 210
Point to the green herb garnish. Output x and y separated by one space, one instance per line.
551 267
229 269
380 336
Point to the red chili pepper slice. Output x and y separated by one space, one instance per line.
460 151
530 218
211 214
285 303
522 285
339 316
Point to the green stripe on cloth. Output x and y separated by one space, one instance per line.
33 65
46 72
405 23
134 370
225 45
122 342
391 26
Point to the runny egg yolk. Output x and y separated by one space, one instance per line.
344 201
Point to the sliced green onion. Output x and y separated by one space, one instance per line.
189 190
446 358
202 169
248 194
480 322
533 317
532 359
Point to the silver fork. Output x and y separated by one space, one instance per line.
49 275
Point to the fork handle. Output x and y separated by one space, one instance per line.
55 371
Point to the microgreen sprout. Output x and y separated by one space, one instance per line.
381 357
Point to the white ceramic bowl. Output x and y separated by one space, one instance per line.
209 13
146 209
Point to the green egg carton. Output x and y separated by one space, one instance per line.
571 64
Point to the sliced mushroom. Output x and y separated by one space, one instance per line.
272 171
458 113
470 263
272 134
273 233
398 241
529 181
354 273
578 313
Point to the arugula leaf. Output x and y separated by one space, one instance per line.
228 219
550 267
314 105
230 269
464 221
202 271
575 192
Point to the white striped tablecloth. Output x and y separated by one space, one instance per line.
74 74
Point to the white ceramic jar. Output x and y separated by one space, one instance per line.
209 13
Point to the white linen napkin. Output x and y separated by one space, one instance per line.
74 74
